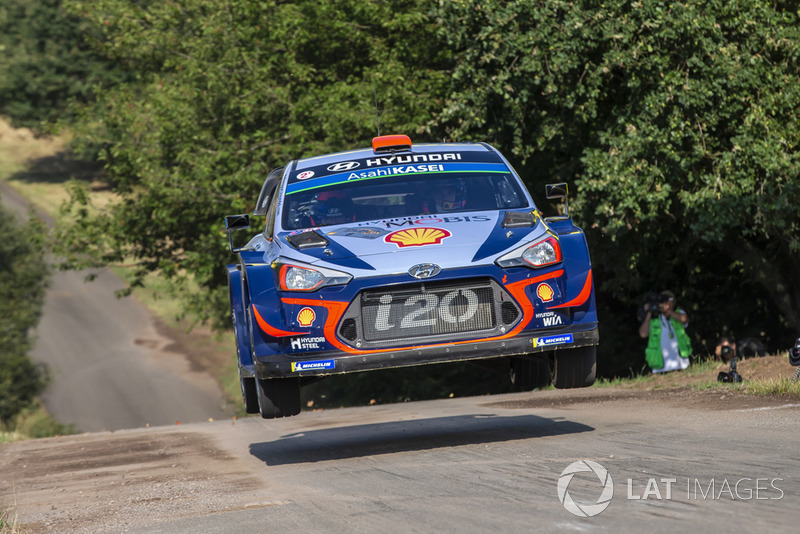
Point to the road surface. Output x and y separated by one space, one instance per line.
679 461
111 365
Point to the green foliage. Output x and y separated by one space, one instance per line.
45 62
226 92
678 122
23 281
675 123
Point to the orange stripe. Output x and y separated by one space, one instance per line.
517 290
272 331
337 308
582 297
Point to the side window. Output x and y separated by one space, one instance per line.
273 207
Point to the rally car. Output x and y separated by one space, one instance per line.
406 254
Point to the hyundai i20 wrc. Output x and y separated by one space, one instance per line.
407 254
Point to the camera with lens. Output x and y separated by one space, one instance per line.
794 353
726 352
732 375
651 303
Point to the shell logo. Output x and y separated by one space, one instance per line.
306 317
417 237
544 292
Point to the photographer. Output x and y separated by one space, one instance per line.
668 347
725 349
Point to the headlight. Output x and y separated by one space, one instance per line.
307 278
540 254
543 253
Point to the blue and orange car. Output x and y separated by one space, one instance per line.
407 254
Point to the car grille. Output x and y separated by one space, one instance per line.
428 312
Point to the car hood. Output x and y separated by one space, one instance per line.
392 246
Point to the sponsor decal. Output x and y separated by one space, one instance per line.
395 160
305 175
304 343
395 170
425 219
312 366
306 317
417 237
544 292
550 318
551 340
366 232
343 166
344 172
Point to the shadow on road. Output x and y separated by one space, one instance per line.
404 436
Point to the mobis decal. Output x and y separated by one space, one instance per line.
417 237
426 219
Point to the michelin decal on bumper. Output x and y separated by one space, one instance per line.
551 340
313 366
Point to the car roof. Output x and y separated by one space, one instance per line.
319 166
364 153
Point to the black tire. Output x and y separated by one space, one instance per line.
575 368
530 372
249 393
278 397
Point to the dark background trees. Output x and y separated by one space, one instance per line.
676 125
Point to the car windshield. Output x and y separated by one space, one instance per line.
401 196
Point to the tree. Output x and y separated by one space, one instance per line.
677 122
225 92
45 62
23 281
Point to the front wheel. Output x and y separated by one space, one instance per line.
575 368
530 372
278 397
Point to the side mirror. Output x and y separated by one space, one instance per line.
560 190
236 222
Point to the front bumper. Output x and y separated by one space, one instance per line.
331 363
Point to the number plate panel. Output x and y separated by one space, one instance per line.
428 312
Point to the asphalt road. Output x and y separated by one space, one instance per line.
678 462
111 369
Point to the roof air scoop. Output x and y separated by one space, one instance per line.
391 143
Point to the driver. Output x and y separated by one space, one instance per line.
333 207
447 195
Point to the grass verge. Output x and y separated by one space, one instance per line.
763 376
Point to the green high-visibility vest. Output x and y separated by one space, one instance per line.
653 355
